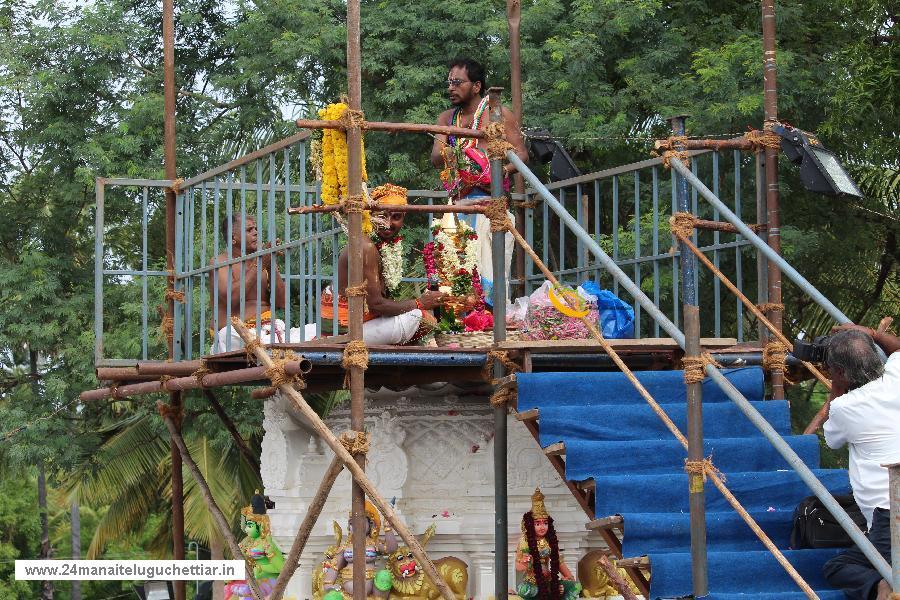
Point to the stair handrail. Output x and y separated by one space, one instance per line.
782 447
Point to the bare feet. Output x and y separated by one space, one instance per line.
884 590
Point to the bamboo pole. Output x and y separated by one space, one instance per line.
359 475
751 307
235 434
309 521
355 275
218 517
711 473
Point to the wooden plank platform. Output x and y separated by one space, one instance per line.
641 562
605 523
531 414
557 449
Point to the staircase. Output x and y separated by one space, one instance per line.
615 453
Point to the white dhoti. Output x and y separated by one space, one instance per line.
272 332
392 331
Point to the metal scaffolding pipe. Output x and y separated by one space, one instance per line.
498 251
742 403
792 274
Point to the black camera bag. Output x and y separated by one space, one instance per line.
815 527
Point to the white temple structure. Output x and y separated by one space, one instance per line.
432 452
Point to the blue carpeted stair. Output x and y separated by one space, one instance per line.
613 437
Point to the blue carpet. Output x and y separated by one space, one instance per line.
613 437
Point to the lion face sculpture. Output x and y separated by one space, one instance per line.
410 581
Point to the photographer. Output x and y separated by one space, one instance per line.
864 411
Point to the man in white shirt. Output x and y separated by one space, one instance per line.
864 412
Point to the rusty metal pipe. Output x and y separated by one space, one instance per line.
407 208
157 368
395 127
180 384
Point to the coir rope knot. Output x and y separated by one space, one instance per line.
702 467
682 224
495 211
355 355
487 372
695 367
774 356
356 291
356 442
497 146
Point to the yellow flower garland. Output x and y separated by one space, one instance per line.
335 172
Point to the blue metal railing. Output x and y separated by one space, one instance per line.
626 209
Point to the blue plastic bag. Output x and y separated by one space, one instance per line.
616 317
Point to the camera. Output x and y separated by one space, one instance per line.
815 351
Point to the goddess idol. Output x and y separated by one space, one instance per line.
546 577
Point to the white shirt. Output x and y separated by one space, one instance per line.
868 419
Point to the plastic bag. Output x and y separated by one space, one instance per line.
616 317
543 321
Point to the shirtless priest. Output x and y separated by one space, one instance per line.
386 321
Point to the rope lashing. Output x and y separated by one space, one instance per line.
250 350
175 295
774 356
695 367
171 412
770 307
487 372
163 379
355 204
495 211
682 224
496 144
352 119
702 467
502 396
356 291
201 372
670 152
167 328
176 185
356 442
356 355
114 390
761 140
523 204
277 374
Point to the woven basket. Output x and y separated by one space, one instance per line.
473 339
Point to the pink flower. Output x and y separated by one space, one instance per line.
445 513
478 320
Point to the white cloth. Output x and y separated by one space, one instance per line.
485 260
227 339
868 419
381 331
392 331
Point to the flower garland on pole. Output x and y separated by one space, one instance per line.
334 163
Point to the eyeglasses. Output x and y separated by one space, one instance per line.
455 83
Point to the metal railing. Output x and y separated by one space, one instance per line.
626 209
791 457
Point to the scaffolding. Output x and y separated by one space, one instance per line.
271 184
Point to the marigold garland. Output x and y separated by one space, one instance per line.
335 173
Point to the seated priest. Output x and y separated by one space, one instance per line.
386 321
261 279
